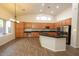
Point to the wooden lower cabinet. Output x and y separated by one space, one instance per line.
35 34
25 35
32 34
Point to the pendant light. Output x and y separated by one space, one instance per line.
15 15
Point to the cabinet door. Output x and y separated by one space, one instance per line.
63 22
28 25
58 24
55 25
35 34
37 25
19 28
68 21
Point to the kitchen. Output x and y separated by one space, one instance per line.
34 30
48 23
37 29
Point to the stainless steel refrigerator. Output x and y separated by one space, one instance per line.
67 31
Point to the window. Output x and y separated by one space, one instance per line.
1 27
8 26
42 17
5 26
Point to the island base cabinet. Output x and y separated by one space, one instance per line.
60 44
54 44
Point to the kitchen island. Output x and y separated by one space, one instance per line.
54 43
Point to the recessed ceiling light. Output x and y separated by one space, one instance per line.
48 6
52 12
40 10
57 6
43 4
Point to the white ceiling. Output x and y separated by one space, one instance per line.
34 8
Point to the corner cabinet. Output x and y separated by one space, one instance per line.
68 21
65 22
19 30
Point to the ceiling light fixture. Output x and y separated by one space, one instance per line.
52 12
57 6
43 18
15 18
48 7
43 4
40 10
12 20
17 21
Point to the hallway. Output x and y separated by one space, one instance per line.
31 47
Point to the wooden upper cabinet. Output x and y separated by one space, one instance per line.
28 25
21 26
37 25
68 21
58 24
55 25
19 29
63 22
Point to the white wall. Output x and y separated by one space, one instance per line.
75 26
7 37
73 13
65 14
32 18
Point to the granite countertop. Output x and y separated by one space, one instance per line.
57 36
40 30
